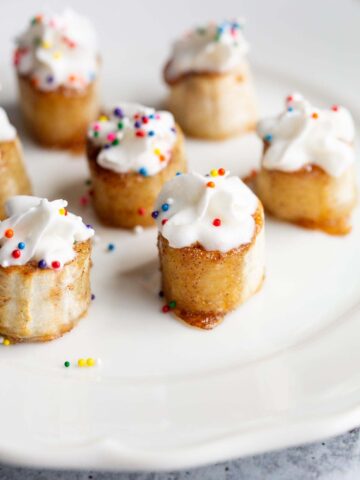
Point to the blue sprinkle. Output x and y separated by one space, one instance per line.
155 214
107 146
89 226
152 116
290 109
92 296
151 133
118 112
165 207
42 264
49 79
143 171
137 124
21 245
173 129
178 173
111 247
268 138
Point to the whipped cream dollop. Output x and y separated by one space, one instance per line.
7 131
40 230
134 138
215 211
305 135
211 48
58 50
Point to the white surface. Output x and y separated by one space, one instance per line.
281 370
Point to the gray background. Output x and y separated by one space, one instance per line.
333 459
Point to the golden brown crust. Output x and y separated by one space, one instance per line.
204 73
206 285
13 176
127 199
309 197
213 105
58 118
43 304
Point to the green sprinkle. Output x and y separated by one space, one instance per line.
172 304
67 364
96 134
116 141
120 125
37 41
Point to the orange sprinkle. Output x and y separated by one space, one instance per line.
210 184
34 81
162 158
315 115
9 233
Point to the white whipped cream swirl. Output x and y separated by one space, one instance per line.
211 48
134 138
40 230
58 50
214 211
7 131
304 135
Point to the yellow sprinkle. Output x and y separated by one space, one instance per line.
81 362
46 44
6 342
157 151
62 211
214 173
103 118
57 55
90 362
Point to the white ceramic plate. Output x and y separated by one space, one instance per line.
281 370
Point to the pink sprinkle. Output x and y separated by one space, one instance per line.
111 137
157 116
96 127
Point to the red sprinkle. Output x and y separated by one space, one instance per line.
141 211
55 264
165 309
84 201
289 98
140 133
335 108
164 221
217 222
221 171
16 253
145 120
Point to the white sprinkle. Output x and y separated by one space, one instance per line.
138 229
170 201
2 340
